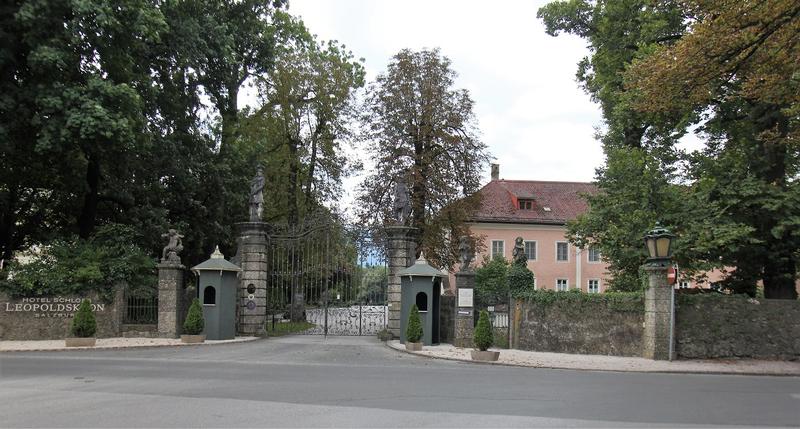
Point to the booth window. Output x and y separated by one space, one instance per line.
422 301
209 296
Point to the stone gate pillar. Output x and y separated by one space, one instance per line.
657 314
398 238
252 302
465 308
170 299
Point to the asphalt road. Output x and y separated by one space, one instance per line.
358 382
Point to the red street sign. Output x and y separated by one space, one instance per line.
672 275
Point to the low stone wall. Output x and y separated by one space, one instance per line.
50 317
575 324
718 326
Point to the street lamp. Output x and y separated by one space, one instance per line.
659 245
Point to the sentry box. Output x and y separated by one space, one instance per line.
421 284
218 281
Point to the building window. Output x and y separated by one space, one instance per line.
594 254
594 286
209 295
561 285
526 204
530 250
535 284
422 301
562 251
683 284
497 248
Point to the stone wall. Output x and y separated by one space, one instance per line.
50 317
590 326
718 326
447 314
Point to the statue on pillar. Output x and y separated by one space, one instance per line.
467 252
173 247
402 205
257 196
518 255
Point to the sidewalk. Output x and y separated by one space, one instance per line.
613 363
108 343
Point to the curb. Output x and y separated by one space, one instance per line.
638 371
144 346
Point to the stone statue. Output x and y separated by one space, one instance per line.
518 255
402 205
257 196
467 253
173 247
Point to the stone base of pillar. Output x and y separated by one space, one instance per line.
252 252
398 238
656 339
170 299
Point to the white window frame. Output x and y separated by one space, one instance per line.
535 283
535 249
682 283
566 285
502 251
589 253
589 286
567 243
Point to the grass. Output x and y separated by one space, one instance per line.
287 328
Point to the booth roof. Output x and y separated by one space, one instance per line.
421 268
216 263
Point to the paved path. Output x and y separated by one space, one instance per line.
359 382
614 363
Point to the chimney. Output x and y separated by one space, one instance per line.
495 171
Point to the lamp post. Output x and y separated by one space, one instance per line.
659 297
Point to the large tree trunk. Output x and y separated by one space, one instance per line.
8 220
294 214
779 276
88 216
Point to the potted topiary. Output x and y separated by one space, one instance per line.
84 326
414 330
483 338
194 324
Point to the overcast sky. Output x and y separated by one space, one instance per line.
536 121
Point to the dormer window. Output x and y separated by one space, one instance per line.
525 204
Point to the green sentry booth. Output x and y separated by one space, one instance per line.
218 281
421 284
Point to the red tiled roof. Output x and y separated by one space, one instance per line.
565 200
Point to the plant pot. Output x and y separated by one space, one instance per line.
413 347
80 342
486 356
193 339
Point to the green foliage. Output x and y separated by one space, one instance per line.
384 335
84 324
414 326
576 302
491 283
107 259
194 323
483 336
520 280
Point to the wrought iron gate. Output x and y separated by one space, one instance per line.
326 280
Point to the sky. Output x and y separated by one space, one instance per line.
536 121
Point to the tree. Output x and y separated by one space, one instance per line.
738 63
640 181
483 336
423 131
194 323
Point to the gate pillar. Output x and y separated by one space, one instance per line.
399 258
252 303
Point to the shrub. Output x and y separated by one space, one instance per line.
194 323
491 283
384 335
483 337
520 280
414 328
84 324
